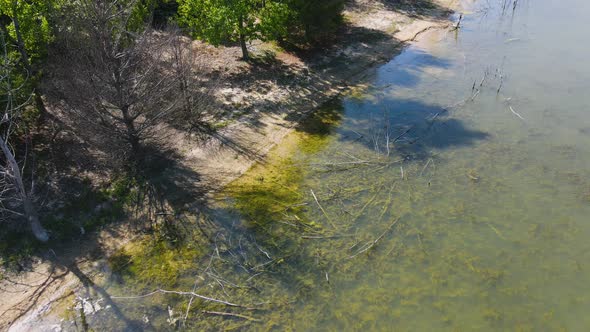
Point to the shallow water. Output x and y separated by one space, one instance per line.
450 193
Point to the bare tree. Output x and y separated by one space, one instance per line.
16 199
110 76
198 105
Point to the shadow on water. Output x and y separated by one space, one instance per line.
356 50
398 127
405 70
413 8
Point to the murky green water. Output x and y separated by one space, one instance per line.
451 194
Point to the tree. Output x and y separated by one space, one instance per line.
26 27
163 12
16 199
220 21
275 19
108 70
316 19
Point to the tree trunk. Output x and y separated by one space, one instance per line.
40 103
132 136
38 231
28 206
135 148
245 55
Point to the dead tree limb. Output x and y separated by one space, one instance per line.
163 291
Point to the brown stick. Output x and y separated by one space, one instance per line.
321 208
231 315
402 134
459 22
163 291
372 244
327 236
514 112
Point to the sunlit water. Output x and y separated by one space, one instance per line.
453 193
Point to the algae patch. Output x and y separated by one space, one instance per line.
153 261
274 190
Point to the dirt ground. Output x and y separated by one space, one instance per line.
261 103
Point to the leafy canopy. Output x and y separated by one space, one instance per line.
33 22
220 21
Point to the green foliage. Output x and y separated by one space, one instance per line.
317 19
274 20
92 209
141 13
164 11
26 29
219 21
16 249
32 17
123 189
24 33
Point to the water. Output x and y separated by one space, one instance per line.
453 193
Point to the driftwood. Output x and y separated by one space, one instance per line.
388 203
458 25
514 112
371 244
163 291
231 314
402 134
327 236
425 166
322 209
500 85
368 203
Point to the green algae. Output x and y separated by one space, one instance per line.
273 190
153 262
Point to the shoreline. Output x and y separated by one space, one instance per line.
219 163
251 137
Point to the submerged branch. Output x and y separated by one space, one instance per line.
322 209
163 291
514 112
327 236
231 315
373 243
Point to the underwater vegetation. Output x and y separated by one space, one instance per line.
330 234
389 208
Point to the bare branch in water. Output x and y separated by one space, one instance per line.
163 291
